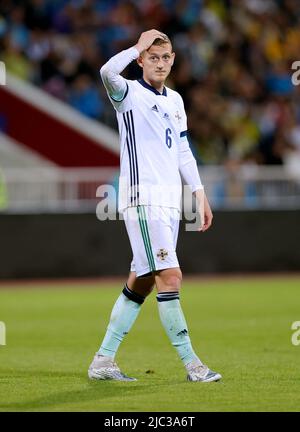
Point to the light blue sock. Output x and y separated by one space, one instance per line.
123 315
173 320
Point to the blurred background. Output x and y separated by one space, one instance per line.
59 141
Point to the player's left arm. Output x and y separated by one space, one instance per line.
204 209
189 171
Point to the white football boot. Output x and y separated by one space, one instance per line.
202 373
104 368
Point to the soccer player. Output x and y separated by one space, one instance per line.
154 154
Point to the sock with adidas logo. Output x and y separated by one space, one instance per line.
173 320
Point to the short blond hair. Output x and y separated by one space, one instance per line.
160 42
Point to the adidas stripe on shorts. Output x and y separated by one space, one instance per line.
153 232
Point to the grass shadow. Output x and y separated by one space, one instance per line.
90 392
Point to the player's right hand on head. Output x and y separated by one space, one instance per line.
147 38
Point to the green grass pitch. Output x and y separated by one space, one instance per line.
239 327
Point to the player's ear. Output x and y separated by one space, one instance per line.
173 58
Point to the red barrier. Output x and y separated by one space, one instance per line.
49 136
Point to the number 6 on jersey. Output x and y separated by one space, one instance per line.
168 138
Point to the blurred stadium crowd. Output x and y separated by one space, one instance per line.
233 64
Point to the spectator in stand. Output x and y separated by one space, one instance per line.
85 97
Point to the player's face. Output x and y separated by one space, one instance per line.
157 62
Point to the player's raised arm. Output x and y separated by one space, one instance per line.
114 83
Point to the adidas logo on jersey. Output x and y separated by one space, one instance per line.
154 108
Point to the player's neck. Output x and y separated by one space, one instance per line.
158 85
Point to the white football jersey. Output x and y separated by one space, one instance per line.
150 126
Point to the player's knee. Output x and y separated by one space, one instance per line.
170 280
174 282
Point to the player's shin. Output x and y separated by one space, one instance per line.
123 315
173 320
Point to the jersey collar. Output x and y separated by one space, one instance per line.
149 87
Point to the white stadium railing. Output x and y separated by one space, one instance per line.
75 190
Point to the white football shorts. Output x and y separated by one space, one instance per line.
153 232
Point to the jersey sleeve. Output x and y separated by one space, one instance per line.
117 87
187 164
183 131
